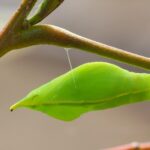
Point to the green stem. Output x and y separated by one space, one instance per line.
49 34
45 8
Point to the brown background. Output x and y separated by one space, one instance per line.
121 23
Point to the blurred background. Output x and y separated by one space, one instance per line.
121 23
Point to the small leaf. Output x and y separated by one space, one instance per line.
92 86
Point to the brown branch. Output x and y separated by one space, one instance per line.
48 34
133 146
16 22
17 34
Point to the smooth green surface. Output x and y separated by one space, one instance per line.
91 86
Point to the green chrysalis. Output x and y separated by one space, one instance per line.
91 86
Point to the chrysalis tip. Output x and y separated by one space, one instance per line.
11 110
13 107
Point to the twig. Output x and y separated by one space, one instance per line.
48 34
132 146
16 22
17 34
19 17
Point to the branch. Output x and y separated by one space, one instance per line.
133 146
19 16
49 34
16 22
19 33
